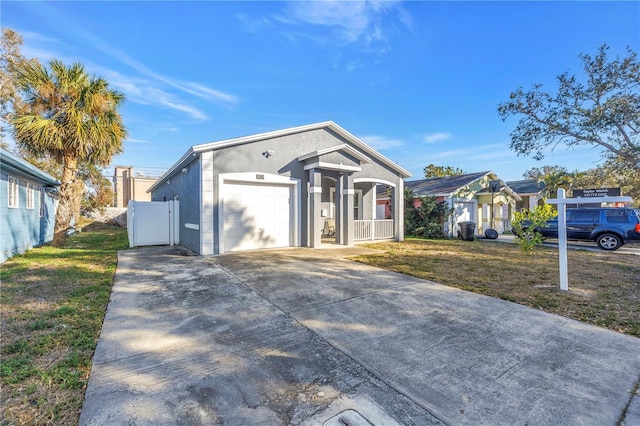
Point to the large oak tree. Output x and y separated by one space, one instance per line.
600 109
71 117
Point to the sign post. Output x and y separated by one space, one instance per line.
562 240
494 185
562 228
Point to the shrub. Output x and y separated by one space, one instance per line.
425 220
527 223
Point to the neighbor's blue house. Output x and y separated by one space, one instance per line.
28 203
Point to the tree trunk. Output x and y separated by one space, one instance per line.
65 210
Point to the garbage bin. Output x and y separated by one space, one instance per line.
467 230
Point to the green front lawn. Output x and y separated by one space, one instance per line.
52 306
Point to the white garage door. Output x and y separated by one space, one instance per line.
256 216
463 211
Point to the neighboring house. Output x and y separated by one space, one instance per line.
290 187
531 191
471 198
27 205
131 185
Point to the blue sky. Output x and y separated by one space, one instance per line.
419 80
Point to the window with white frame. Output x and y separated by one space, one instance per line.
357 201
31 190
357 207
13 198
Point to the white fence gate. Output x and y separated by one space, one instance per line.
153 223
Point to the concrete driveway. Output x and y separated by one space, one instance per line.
302 336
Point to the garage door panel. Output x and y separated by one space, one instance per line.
463 211
256 216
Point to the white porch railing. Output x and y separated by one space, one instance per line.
372 229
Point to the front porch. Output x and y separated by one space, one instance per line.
342 203
345 216
503 207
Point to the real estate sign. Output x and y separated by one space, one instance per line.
596 192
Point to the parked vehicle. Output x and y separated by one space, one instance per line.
609 227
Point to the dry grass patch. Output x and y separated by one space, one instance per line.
604 288
53 302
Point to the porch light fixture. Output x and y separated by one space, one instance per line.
268 153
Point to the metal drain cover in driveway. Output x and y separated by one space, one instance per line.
347 418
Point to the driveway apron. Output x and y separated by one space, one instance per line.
301 335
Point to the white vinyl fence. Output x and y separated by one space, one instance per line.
153 223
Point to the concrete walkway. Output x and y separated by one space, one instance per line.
301 336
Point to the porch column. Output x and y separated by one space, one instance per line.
314 219
346 208
398 210
338 210
374 202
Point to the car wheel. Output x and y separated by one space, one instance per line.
609 242
491 234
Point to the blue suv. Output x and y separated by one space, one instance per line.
609 227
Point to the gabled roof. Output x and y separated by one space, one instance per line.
342 147
13 163
528 186
443 186
330 125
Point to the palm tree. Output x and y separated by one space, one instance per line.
557 179
72 118
554 177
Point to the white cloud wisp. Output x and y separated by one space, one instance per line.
437 137
381 142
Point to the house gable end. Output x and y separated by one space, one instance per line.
337 157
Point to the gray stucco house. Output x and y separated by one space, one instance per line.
300 187
28 200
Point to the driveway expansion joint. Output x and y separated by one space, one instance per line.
634 399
